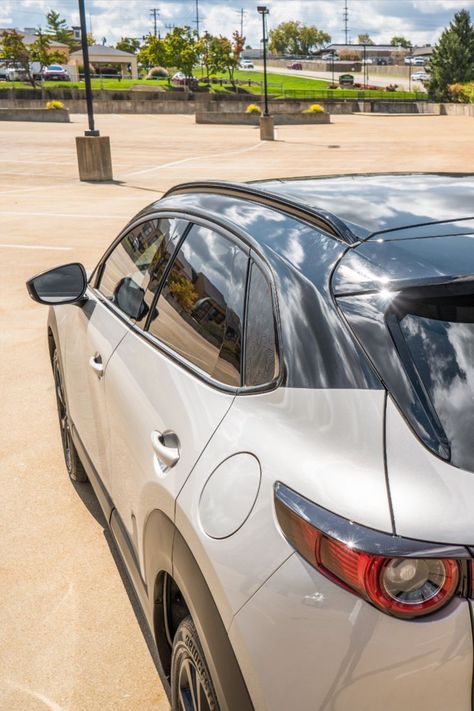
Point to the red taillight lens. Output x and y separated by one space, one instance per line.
404 587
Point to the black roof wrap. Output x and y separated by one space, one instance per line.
376 265
370 204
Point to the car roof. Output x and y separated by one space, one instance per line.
376 203
361 207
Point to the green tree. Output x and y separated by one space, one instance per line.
452 61
365 39
40 51
152 53
58 29
16 54
209 53
128 44
399 41
182 49
293 37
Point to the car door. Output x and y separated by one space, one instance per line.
116 299
169 386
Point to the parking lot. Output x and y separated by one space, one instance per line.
70 637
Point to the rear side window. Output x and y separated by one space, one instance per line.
133 270
439 335
261 358
199 312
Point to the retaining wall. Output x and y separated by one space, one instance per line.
34 114
279 119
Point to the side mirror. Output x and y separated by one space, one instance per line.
62 285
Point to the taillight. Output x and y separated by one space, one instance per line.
400 586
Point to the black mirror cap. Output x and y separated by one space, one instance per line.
65 284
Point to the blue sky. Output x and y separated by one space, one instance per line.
420 20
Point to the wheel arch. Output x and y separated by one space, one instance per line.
170 561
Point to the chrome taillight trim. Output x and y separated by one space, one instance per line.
357 536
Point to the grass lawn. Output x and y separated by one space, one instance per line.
279 86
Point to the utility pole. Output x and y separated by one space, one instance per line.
197 17
345 17
242 14
155 13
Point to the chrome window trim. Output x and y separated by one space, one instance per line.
360 537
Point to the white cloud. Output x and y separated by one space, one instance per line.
420 20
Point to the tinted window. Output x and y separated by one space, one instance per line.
261 360
439 334
200 310
133 270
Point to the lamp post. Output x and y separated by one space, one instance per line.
93 150
266 121
410 57
87 71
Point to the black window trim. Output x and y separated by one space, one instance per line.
245 242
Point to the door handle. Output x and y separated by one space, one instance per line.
166 446
96 364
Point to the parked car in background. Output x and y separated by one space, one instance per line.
382 61
367 60
270 387
180 79
294 65
55 72
246 64
329 57
416 61
420 76
3 72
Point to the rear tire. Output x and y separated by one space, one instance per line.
73 464
191 683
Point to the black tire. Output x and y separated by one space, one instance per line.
191 684
73 463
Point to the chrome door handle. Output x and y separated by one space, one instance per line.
166 446
96 364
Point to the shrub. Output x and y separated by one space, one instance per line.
54 104
333 86
253 109
461 93
314 109
391 87
347 55
157 73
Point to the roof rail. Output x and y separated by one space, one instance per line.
321 218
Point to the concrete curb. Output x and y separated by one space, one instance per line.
36 114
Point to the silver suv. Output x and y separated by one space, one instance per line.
270 388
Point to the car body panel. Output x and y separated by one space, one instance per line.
432 500
159 396
84 332
304 643
296 436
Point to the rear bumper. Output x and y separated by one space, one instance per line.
304 643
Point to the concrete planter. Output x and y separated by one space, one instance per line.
279 119
49 115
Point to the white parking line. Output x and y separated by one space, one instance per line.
35 246
89 216
188 160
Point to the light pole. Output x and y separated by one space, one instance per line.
87 71
263 11
266 121
93 150
410 57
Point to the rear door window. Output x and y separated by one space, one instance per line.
199 312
